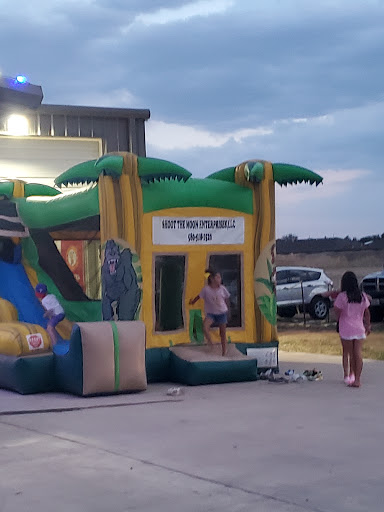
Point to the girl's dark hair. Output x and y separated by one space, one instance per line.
211 273
350 285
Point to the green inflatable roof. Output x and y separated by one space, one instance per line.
47 212
164 185
42 213
283 174
162 194
149 169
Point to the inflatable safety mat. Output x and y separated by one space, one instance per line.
196 365
20 338
27 374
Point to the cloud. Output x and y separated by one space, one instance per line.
340 207
295 67
336 183
343 146
323 119
184 12
341 177
225 81
284 60
341 139
315 142
122 98
171 136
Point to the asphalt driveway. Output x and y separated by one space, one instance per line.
314 446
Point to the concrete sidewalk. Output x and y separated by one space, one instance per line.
314 446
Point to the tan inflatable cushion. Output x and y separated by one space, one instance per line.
100 374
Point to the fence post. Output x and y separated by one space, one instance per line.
302 302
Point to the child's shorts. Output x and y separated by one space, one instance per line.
218 319
55 319
351 338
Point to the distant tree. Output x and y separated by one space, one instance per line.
290 238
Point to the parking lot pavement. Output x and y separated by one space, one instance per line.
314 446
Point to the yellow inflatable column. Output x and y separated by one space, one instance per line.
18 188
18 191
264 249
121 205
108 209
132 203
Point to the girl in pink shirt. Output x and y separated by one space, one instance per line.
352 309
215 297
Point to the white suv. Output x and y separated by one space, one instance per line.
296 286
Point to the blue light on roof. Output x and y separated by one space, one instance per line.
21 79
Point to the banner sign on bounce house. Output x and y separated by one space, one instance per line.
198 230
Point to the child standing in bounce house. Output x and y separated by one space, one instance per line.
53 310
215 297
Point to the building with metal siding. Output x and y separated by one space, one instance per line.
120 129
60 136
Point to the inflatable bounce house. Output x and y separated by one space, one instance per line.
158 229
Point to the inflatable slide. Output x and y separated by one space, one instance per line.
95 358
16 288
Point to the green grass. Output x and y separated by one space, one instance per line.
325 341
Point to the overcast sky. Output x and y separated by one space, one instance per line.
290 81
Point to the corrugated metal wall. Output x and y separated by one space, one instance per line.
119 129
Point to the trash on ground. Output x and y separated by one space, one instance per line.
175 391
292 376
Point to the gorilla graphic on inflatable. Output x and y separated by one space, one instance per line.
119 283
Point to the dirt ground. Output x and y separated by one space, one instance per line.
320 337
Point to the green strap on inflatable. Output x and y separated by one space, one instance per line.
117 354
196 333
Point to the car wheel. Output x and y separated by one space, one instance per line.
377 313
319 308
287 312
